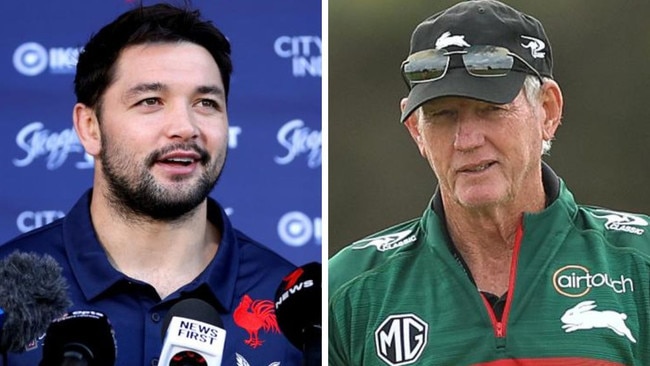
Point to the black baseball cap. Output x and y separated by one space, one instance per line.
472 23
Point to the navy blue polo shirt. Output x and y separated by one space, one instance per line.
242 270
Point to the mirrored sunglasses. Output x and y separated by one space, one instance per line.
480 61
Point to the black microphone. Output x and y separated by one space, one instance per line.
193 335
33 292
298 310
80 338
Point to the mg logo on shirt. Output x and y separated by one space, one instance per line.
401 338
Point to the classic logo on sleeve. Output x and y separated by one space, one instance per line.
386 242
401 338
621 221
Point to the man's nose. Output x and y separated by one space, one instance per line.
469 132
181 123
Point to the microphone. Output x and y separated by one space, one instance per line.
298 310
193 334
33 292
80 338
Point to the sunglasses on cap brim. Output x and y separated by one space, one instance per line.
480 61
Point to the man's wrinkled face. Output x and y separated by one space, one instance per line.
482 154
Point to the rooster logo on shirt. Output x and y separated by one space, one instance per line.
256 315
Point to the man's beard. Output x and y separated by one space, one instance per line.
137 195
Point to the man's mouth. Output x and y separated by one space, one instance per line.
476 168
181 161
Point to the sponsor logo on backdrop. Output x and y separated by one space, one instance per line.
32 58
30 220
305 53
296 229
298 140
233 136
37 141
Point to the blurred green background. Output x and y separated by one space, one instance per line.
376 176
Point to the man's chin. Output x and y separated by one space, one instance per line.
480 197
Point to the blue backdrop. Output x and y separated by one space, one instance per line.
271 185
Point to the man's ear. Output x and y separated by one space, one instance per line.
552 102
411 124
87 127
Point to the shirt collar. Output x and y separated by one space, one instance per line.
96 275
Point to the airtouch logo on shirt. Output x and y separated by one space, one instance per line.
576 281
299 140
32 58
305 53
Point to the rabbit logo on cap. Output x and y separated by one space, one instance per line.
583 316
446 40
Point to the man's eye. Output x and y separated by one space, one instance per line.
209 103
149 102
492 108
440 114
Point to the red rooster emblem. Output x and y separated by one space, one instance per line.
253 315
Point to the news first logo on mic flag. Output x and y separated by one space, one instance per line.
193 339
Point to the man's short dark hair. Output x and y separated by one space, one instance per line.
160 23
